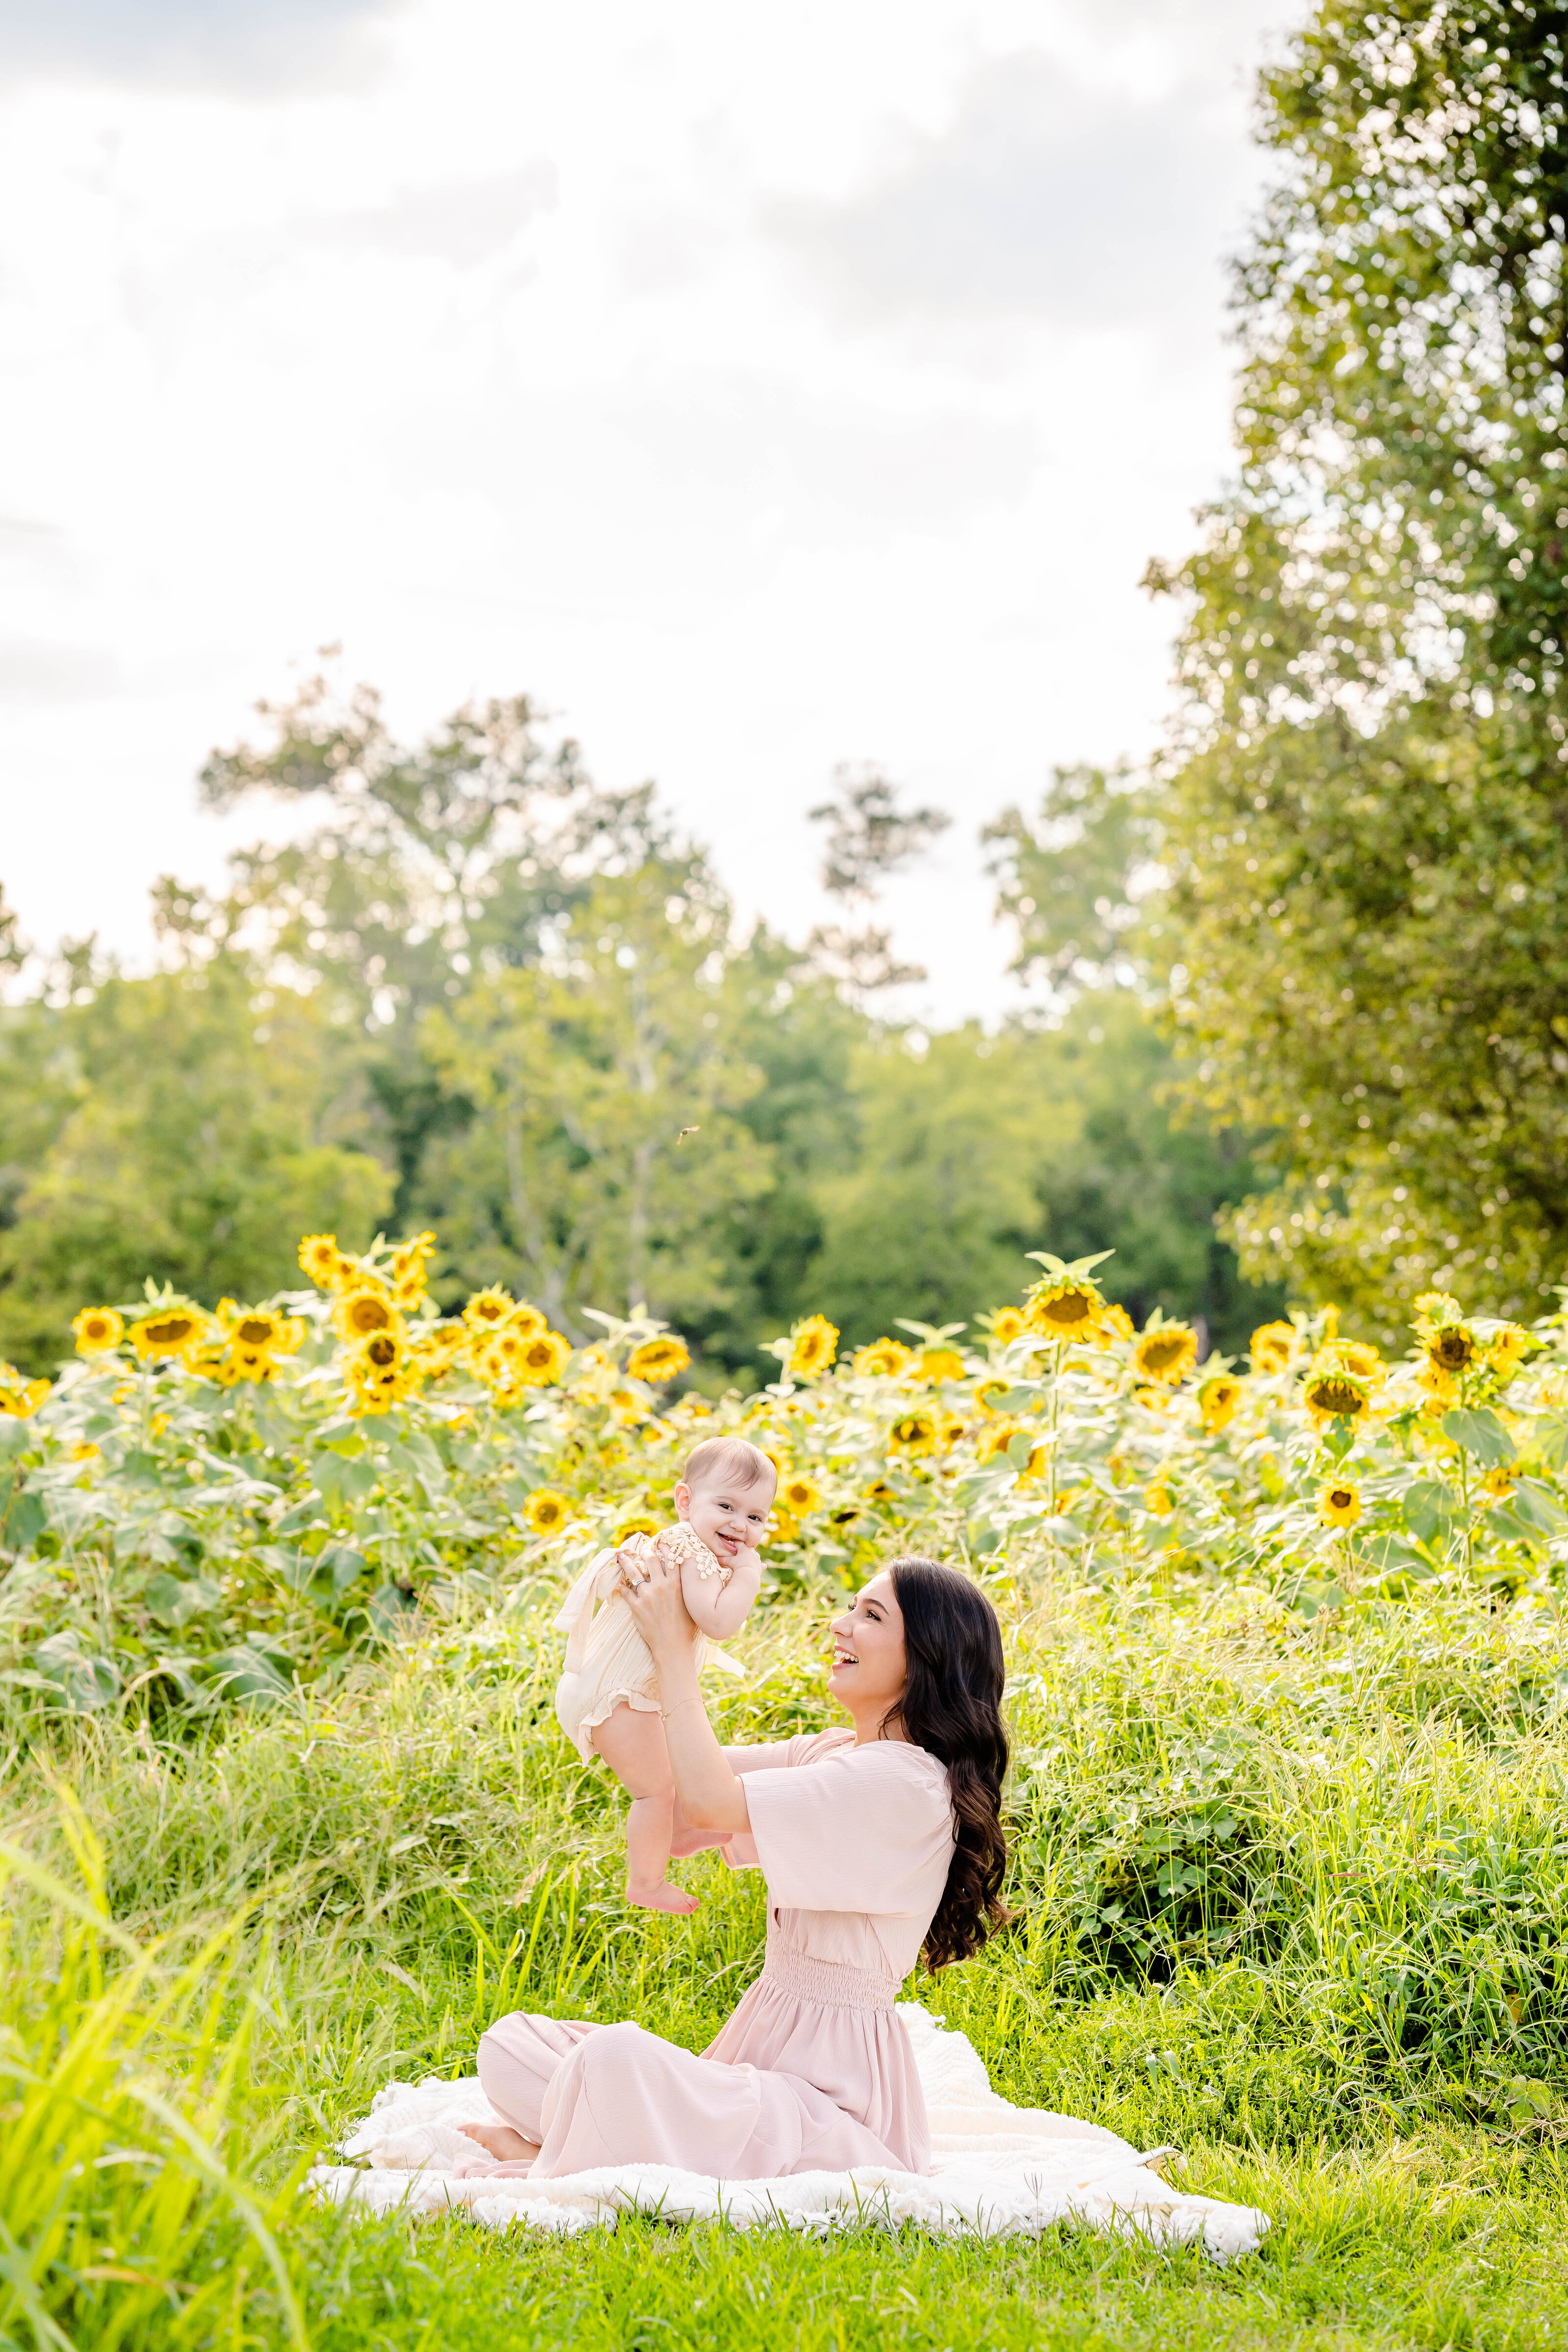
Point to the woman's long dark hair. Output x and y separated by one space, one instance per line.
951 1707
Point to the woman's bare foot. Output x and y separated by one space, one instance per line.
661 1896
500 2140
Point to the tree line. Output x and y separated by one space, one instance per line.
479 993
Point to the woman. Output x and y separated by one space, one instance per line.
876 1842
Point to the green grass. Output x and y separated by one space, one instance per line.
1293 1897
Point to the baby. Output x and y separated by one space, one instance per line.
607 1699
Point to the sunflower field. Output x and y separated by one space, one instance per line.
210 1507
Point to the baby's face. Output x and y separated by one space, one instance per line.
729 1516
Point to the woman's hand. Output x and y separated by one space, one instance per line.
657 1605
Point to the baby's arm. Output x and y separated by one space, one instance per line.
719 1610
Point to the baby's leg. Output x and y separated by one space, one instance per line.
632 1745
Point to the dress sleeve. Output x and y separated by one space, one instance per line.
863 1830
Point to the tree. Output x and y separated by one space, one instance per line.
1072 879
189 1139
933 1220
1366 815
1081 881
431 863
605 1147
869 836
979 1149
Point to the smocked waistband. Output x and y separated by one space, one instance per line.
830 1982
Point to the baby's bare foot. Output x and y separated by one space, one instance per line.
660 1896
500 2140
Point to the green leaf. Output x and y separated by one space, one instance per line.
343 1565
339 1479
301 1515
1552 1441
250 1673
1429 1507
1481 1433
388 1609
25 1522
175 1599
84 1683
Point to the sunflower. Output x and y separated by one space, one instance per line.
816 1343
1363 1361
659 1360
1441 1325
987 1393
1217 1401
20 1397
883 1360
1008 1324
249 1363
1507 1349
1339 1504
546 1511
1498 1484
437 1348
637 1526
800 1497
381 1372
1115 1321
168 1332
913 1433
1159 1499
994 1444
487 1309
528 1320
881 1491
542 1359
208 1362
318 1256
97 1328
1335 1390
939 1364
360 1312
996 1438
260 1329
783 1529
1166 1354
1452 1348
1273 1346
1064 1310
410 1261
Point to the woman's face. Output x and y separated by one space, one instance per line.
869 1665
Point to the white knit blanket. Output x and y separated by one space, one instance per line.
997 2171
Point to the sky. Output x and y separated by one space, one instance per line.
760 390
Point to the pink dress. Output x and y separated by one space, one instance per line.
813 2072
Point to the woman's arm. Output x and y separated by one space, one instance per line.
721 1610
710 1795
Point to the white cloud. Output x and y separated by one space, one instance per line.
256 48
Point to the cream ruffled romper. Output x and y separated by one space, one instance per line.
609 1664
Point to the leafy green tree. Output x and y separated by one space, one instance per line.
430 863
605 1147
932 1218
980 1148
1366 821
1146 1174
189 1139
